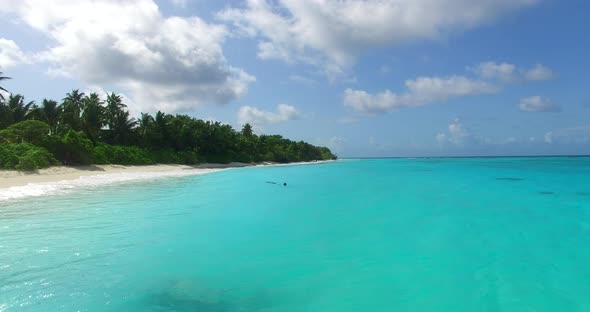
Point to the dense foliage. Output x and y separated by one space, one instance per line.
24 156
83 129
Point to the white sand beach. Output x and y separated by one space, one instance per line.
11 178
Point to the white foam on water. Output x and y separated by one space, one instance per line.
90 182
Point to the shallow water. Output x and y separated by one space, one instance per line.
491 234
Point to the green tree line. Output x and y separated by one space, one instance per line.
83 129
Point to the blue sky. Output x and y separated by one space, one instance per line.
366 78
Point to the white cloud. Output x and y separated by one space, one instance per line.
539 73
456 134
169 63
253 115
436 88
569 135
421 91
537 104
363 101
501 71
507 72
332 34
549 137
11 54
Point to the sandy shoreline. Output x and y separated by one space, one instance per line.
10 178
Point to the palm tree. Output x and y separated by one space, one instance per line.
247 130
5 116
35 113
72 108
93 116
114 107
123 127
20 111
161 136
2 89
50 114
145 127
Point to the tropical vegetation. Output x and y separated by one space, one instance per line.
83 129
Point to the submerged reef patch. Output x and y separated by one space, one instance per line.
173 302
186 295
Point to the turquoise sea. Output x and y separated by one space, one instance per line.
464 234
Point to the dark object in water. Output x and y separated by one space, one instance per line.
509 179
546 193
270 182
583 193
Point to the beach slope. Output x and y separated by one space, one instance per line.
11 178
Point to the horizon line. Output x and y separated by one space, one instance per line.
480 156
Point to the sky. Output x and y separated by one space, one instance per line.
373 78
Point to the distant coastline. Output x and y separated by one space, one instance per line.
87 130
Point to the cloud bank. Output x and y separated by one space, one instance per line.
168 63
507 72
11 54
332 34
419 92
255 116
537 104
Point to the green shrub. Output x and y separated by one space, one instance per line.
190 157
166 156
73 148
25 156
76 148
169 156
244 157
31 131
121 155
